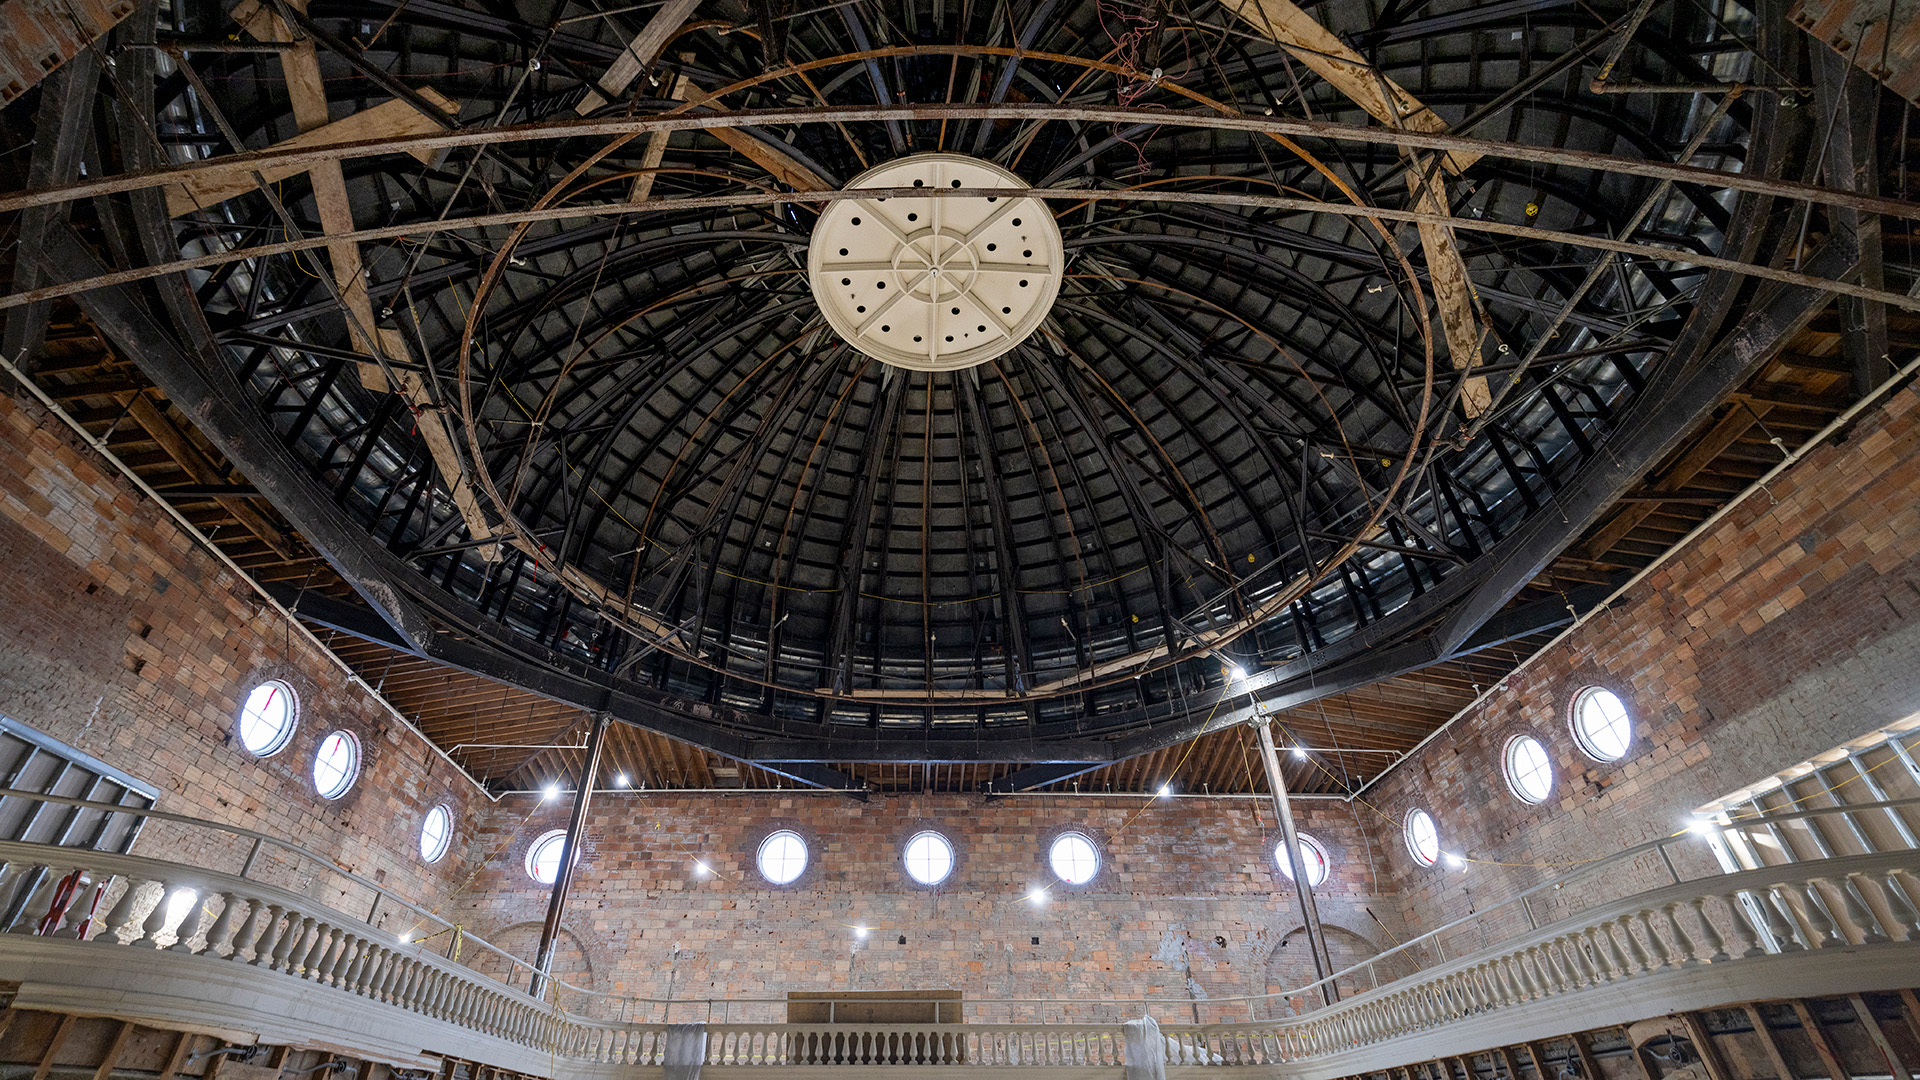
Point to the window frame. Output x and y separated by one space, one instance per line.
945 842
1307 843
760 857
1581 737
350 776
1507 769
284 737
1413 844
1053 846
540 844
445 841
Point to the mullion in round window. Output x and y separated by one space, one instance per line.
543 856
782 857
1074 858
1311 853
267 719
436 832
337 765
929 858
1601 725
1423 837
1529 772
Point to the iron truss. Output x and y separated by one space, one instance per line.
1239 442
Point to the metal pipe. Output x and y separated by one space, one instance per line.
563 875
1309 911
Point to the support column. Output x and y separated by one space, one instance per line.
563 877
1283 809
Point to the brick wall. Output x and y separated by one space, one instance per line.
1187 890
1790 627
122 637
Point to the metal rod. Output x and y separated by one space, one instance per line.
563 876
1309 912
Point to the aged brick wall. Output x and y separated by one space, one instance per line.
1790 627
1187 890
122 637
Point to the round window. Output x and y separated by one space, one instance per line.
543 856
267 718
1423 838
337 765
1529 773
929 858
1311 853
1601 725
1074 858
436 832
783 857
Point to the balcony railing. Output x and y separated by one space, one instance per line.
1831 925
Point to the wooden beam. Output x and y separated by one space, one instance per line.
1879 1037
389 118
179 1055
1836 1069
1703 1045
1737 422
640 54
1589 1068
53 1047
1298 32
197 465
112 1054
307 95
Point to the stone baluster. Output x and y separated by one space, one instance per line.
193 922
40 904
75 908
1824 928
1780 922
390 978
1744 931
1579 947
1638 960
350 946
120 916
222 928
1608 951
1900 906
322 933
1685 952
1662 956
156 918
1858 913
271 929
284 951
1708 931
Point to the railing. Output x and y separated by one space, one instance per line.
1858 902
260 851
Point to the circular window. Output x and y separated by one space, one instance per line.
1601 725
783 857
267 718
543 856
436 832
1423 838
1074 858
929 858
337 765
1311 853
1529 773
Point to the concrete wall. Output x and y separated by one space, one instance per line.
1788 628
119 635
1188 900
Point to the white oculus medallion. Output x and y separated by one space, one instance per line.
936 284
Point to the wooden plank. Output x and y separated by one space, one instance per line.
197 465
640 54
1771 1044
179 1056
1879 1037
1512 1066
1910 1006
389 118
1589 1068
1727 431
53 1047
1703 1045
1836 1069
112 1054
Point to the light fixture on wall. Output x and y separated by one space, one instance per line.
1299 751
552 790
620 781
700 869
860 932
1166 790
1455 861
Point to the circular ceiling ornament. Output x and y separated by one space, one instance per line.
936 284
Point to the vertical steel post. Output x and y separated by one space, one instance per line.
1283 809
563 877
